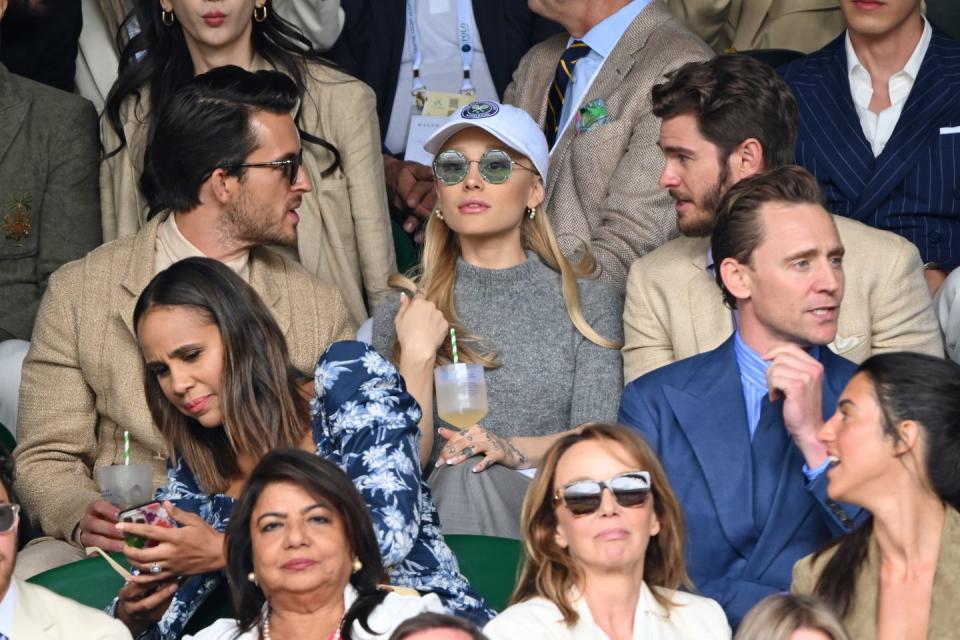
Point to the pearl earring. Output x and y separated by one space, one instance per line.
357 565
531 211
437 212
252 577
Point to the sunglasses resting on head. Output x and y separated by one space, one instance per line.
583 497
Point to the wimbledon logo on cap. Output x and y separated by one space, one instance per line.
480 109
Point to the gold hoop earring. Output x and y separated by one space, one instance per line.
437 212
532 212
260 13
167 18
357 565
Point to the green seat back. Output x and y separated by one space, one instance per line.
490 564
90 581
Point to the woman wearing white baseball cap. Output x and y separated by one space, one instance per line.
492 269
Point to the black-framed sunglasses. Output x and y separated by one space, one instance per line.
583 497
290 165
450 167
9 516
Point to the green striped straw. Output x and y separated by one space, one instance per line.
126 447
453 345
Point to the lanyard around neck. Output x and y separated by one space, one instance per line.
464 36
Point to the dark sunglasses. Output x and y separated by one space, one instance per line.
583 497
9 516
290 165
450 167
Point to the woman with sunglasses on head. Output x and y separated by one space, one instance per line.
344 235
492 269
603 535
895 445
222 391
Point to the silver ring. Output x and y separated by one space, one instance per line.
155 568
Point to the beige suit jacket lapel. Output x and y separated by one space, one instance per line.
710 328
266 277
752 17
140 269
615 68
30 619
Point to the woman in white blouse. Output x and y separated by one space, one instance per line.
603 534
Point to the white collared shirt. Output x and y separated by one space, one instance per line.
601 39
7 607
878 127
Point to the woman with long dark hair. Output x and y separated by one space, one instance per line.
344 232
895 444
303 559
222 392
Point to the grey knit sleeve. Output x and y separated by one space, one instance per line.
384 329
598 371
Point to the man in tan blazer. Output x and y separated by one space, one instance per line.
799 25
225 165
725 120
602 187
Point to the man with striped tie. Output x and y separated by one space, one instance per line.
589 89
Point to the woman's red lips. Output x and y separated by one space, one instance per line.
472 206
298 564
214 18
198 404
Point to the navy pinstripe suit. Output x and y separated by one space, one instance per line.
913 186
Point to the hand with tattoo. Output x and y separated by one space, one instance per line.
477 441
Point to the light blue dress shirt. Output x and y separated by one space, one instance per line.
601 39
753 378
7 608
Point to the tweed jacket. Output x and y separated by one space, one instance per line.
602 185
82 381
48 154
861 621
798 25
41 614
344 235
674 308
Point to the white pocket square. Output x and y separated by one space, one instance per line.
841 344
944 131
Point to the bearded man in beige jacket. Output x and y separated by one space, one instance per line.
225 166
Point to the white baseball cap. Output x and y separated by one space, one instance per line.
509 124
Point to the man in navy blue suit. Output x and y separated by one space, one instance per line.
880 126
736 427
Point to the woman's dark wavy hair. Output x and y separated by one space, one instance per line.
330 486
908 386
259 389
157 57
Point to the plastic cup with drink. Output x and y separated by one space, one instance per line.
461 390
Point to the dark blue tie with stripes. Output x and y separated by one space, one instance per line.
558 88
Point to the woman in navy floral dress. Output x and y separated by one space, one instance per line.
222 391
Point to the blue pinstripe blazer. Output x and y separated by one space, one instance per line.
913 186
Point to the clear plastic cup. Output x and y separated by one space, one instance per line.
126 485
461 394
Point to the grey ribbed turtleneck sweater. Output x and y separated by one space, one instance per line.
551 378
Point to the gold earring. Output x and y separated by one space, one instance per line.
531 211
167 18
252 577
357 565
260 13
437 212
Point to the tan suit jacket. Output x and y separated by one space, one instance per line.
861 621
602 186
344 235
83 376
800 25
674 308
41 614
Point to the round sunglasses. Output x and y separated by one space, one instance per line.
9 516
450 167
583 497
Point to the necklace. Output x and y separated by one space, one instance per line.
266 627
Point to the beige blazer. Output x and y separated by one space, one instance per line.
344 235
41 614
82 380
674 308
800 25
692 617
602 186
861 621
